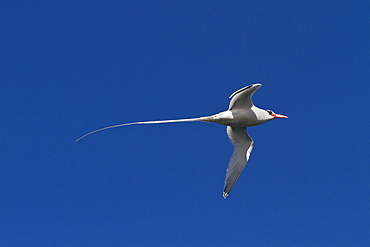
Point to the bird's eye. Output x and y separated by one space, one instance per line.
270 112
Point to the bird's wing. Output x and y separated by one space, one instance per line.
243 97
243 145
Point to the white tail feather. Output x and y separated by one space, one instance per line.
202 119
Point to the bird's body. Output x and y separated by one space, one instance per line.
242 113
239 118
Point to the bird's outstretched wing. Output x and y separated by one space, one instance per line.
242 98
243 145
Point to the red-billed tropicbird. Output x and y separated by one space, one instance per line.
242 113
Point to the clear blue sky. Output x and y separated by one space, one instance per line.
69 67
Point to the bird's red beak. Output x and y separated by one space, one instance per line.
279 116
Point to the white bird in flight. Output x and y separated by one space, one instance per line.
242 113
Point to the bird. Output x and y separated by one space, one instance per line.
240 115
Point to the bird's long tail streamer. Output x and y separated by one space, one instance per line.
202 119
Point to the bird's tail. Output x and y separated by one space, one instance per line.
200 119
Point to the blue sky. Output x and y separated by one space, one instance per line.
69 67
